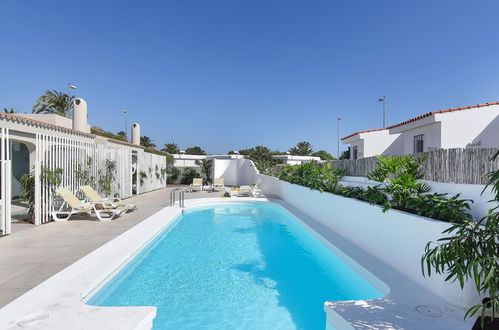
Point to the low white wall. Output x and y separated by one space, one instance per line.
479 207
235 172
394 237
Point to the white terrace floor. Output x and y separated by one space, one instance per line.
34 253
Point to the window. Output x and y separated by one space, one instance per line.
355 153
419 143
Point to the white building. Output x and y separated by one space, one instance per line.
296 160
43 143
373 142
472 126
464 127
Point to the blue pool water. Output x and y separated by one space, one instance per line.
235 266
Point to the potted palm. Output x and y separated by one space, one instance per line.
470 251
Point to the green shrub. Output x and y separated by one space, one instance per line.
436 206
188 174
320 177
173 174
401 176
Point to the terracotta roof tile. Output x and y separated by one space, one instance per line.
444 111
366 131
22 119
40 123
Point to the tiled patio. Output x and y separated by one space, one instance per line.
34 253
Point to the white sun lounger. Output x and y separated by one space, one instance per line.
252 190
94 197
77 206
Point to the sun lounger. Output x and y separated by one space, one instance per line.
94 197
252 190
197 184
218 184
77 206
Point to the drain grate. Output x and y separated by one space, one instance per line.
429 311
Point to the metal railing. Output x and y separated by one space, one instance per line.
173 195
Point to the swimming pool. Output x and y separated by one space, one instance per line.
235 266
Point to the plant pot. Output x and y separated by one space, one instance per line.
488 324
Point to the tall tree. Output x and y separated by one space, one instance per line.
54 102
171 148
323 154
195 151
303 148
260 153
146 142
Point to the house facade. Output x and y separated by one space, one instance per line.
48 143
475 126
372 143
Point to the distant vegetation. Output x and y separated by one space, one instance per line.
171 148
99 131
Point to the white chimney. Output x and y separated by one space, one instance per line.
136 134
80 115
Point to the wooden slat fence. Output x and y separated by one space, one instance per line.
443 165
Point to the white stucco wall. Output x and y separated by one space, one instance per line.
432 137
382 143
296 160
375 143
183 160
479 127
235 172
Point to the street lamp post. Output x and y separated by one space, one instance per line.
70 87
339 118
125 112
384 110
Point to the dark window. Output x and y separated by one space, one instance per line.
355 154
419 143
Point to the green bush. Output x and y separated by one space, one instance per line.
401 176
438 207
312 175
188 174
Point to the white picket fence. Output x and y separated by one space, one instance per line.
5 177
151 171
107 168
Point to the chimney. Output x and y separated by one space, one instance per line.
80 115
136 134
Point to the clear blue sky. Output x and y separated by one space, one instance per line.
233 74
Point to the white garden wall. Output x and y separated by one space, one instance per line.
479 207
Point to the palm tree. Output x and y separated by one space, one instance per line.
195 151
303 148
146 142
171 148
54 102
11 110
